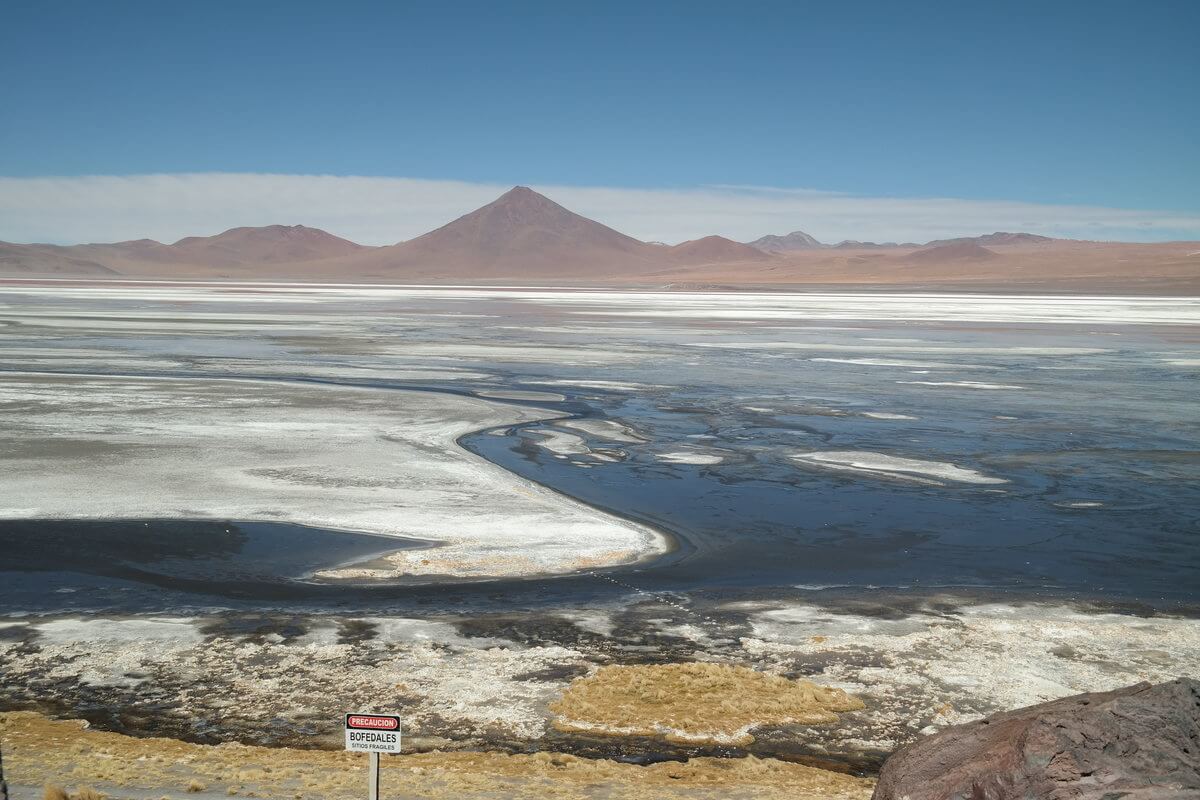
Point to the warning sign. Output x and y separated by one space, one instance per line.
373 733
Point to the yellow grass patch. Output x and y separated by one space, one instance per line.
694 703
52 791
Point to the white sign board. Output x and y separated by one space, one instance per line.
373 733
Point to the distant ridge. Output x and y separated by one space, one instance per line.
788 243
997 238
799 240
853 244
524 238
236 248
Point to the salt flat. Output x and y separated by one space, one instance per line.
350 458
850 305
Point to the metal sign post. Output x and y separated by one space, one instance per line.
373 734
3 783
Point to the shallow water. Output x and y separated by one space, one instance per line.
1098 505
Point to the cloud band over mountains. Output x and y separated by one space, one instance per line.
382 210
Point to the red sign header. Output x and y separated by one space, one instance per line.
372 722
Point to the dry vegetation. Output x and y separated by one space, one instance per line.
38 751
52 791
691 703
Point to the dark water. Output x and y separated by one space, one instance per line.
55 564
757 520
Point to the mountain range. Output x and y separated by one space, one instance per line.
524 237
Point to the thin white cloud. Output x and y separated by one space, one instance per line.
376 210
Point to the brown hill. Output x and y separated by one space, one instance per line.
272 244
44 259
522 234
714 250
236 247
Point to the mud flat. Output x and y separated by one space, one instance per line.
345 458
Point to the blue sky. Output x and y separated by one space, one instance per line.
1082 104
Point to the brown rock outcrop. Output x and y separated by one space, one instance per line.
1137 743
